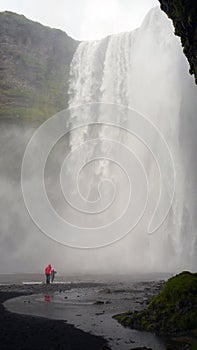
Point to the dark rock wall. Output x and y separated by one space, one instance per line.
184 16
34 68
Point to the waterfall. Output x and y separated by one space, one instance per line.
144 70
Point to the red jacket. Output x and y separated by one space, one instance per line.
47 269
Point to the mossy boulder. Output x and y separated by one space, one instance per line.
173 311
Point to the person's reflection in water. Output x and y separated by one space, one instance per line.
47 298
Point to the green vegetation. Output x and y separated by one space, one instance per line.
34 73
173 312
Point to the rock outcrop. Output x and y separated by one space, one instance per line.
184 17
172 312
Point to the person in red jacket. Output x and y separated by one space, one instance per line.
47 272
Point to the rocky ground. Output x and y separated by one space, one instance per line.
164 308
28 332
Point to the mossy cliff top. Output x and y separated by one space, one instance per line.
173 311
34 62
184 16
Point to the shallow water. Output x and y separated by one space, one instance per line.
77 306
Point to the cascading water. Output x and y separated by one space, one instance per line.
144 70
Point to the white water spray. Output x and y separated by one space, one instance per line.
147 71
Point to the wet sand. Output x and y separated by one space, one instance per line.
22 332
87 306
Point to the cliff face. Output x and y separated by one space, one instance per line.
34 68
184 16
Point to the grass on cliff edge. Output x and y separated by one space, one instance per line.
173 311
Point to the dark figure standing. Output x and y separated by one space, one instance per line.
53 272
48 273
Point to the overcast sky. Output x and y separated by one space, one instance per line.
84 19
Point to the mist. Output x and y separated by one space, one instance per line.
147 71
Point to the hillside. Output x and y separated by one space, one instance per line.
34 68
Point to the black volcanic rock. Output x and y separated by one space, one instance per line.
184 16
34 68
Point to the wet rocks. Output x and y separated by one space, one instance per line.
98 302
171 312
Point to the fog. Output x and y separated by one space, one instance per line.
147 71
